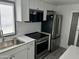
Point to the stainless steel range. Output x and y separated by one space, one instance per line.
42 43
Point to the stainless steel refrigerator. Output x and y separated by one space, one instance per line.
53 26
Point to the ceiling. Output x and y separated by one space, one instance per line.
62 2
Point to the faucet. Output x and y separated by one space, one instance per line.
1 35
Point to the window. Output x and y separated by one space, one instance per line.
7 18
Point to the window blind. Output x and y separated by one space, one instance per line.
7 18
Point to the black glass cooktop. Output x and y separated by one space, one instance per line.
36 35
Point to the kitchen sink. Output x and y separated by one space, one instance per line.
10 43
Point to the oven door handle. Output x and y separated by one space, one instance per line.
41 42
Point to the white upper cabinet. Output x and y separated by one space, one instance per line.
43 7
45 14
25 10
40 5
22 10
18 10
34 4
23 6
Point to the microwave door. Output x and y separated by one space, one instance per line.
33 16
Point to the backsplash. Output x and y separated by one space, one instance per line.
23 28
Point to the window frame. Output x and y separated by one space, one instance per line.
11 2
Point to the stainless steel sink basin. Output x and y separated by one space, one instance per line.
10 43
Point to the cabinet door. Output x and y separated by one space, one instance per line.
34 4
25 10
43 8
31 51
22 10
40 5
20 55
45 15
18 10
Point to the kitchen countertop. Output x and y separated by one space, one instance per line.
22 38
26 39
71 53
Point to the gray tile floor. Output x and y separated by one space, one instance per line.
56 54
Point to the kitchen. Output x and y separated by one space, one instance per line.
27 23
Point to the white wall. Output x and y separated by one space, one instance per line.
66 11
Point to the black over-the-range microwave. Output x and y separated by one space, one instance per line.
35 15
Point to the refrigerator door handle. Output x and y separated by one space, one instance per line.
53 24
60 22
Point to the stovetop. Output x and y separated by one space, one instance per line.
36 35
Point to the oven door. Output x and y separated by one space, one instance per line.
41 48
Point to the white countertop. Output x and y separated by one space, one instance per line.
22 38
71 53
26 39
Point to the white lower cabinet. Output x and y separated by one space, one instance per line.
19 55
22 52
31 51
